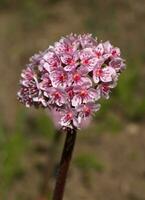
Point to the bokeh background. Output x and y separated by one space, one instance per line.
109 158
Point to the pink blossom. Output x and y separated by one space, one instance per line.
88 60
106 74
79 77
86 110
69 118
117 64
50 61
28 93
99 50
70 61
86 40
59 78
70 77
70 92
104 90
110 51
56 96
36 58
84 94
27 75
56 115
45 82
65 46
115 52
107 47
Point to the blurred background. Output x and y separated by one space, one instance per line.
109 158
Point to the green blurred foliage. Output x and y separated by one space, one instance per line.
129 94
33 13
44 126
110 122
89 162
12 150
4 4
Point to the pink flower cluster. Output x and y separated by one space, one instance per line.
71 77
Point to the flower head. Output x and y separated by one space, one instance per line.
70 77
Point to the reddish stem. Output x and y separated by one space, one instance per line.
64 164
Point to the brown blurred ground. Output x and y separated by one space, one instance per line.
29 26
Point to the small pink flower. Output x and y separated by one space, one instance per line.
115 52
87 59
86 40
35 60
28 93
110 50
64 46
104 90
84 94
106 74
59 78
45 83
70 92
27 75
79 77
107 47
69 118
86 110
117 64
50 61
99 51
56 96
70 61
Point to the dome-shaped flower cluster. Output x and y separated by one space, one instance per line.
71 77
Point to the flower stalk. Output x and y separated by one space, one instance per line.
64 164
